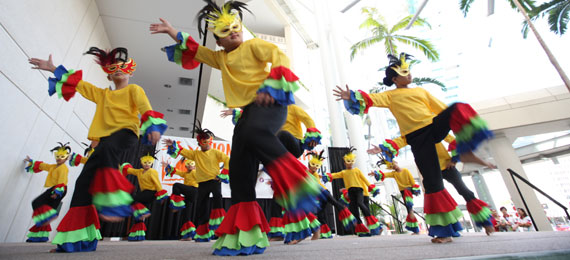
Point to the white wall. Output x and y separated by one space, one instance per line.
32 121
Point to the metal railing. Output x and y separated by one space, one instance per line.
394 199
513 175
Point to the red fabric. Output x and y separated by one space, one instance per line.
294 217
203 229
438 202
475 206
325 228
68 87
188 61
137 206
287 174
36 167
138 227
461 116
311 217
278 72
361 228
77 160
59 186
176 198
160 193
394 145
41 210
367 100
371 187
343 214
225 171
276 222
452 146
150 113
126 168
411 218
108 180
243 216
408 193
371 220
187 226
42 228
313 130
78 218
217 213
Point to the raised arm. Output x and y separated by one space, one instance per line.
153 124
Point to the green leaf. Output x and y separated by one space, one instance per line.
464 6
406 20
558 18
420 44
361 45
219 101
424 80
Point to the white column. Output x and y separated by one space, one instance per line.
505 156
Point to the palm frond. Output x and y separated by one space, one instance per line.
527 5
369 22
361 45
219 101
420 44
464 6
558 18
424 80
406 20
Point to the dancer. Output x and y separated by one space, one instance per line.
76 159
100 185
264 97
46 206
208 176
407 187
425 121
344 215
150 189
478 209
354 180
190 190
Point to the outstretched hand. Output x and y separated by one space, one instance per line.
226 112
40 64
154 137
168 142
375 149
341 94
165 163
264 99
28 159
163 27
371 174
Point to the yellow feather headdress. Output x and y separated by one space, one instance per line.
221 21
400 64
350 156
61 151
316 159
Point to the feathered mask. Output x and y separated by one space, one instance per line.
188 163
114 61
149 158
316 159
62 151
221 21
350 157
204 136
400 65
88 151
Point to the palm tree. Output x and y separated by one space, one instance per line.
558 11
418 81
382 33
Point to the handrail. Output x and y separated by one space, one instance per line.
513 175
401 202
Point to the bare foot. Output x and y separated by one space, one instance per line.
110 219
417 233
316 235
143 217
53 250
186 239
470 157
441 240
489 230
174 210
276 239
293 242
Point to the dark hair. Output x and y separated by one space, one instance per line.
501 208
390 74
202 133
523 212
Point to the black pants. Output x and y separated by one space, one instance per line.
292 144
321 214
453 176
46 199
203 199
423 143
253 141
145 197
190 193
109 153
356 202
276 210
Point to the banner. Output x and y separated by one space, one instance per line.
262 189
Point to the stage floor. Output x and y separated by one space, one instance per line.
528 245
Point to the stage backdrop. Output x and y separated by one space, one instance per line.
262 189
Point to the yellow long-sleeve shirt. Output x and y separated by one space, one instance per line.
352 178
57 174
148 180
404 179
189 178
316 174
413 108
296 116
442 153
116 109
207 163
243 69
